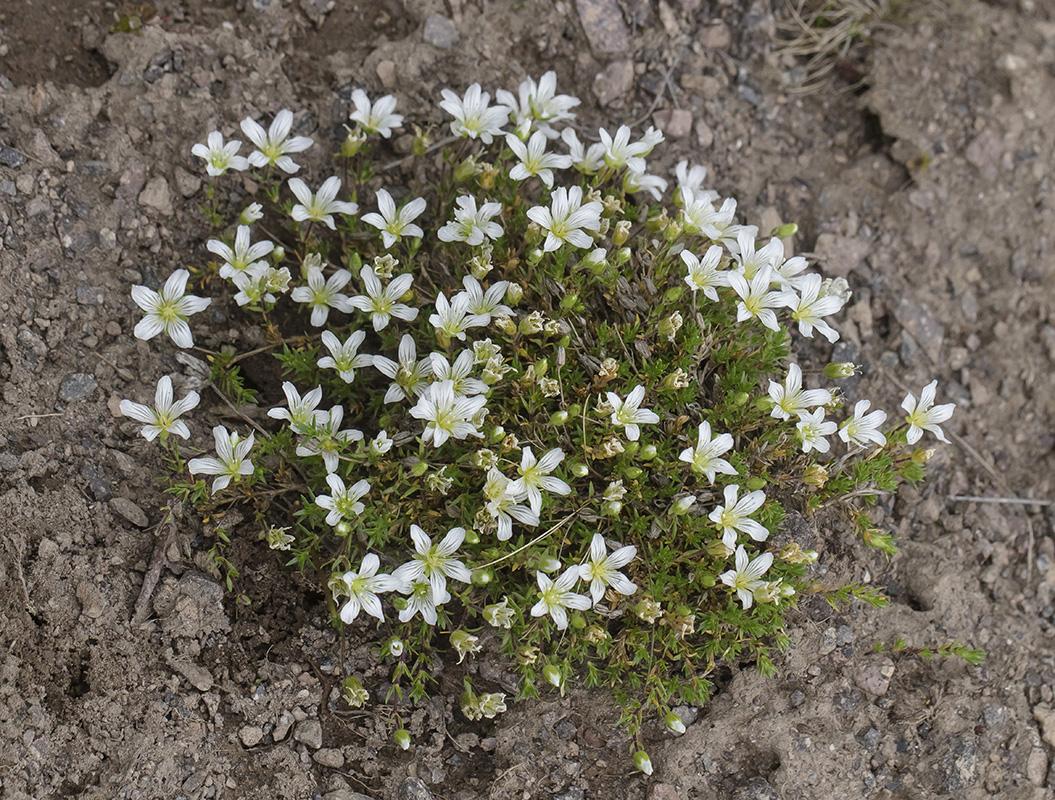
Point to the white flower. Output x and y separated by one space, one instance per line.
382 302
862 428
381 443
471 225
585 160
434 562
499 615
410 376
242 255
322 294
452 317
162 418
274 145
503 506
734 516
342 502
690 178
747 577
602 569
394 224
328 439
618 152
167 311
705 456
809 308
321 206
250 214
472 117
756 301
301 411
422 599
634 182
447 416
345 357
362 588
458 374
699 216
489 303
750 260
922 417
257 283
628 413
534 160
704 274
566 218
376 117
535 477
220 157
538 106
558 595
812 429
232 459
790 400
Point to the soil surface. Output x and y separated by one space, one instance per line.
929 188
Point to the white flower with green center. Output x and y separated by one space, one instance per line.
500 615
321 206
628 413
691 179
619 152
167 311
242 255
220 157
538 106
472 225
163 417
453 318
382 302
327 439
446 415
634 182
863 428
734 516
458 373
750 260
535 477
556 596
301 411
700 217
704 274
434 562
923 417
322 294
342 502
274 144
813 429
534 160
472 116
394 223
504 506
362 589
704 457
790 400
809 307
230 461
376 117
602 569
485 304
422 598
409 375
747 577
567 219
587 160
756 301
345 356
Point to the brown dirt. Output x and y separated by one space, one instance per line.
930 191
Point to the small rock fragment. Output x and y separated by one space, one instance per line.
602 20
251 735
674 122
76 386
156 195
440 32
285 722
130 511
310 733
187 184
756 789
874 676
329 757
11 158
1045 715
345 794
414 789
199 677
663 791
386 72
614 81
1037 766
97 482
921 326
985 152
716 36
959 766
840 254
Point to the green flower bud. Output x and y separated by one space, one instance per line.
578 469
682 505
343 528
352 144
552 675
756 483
839 369
647 453
471 536
559 418
482 577
622 255
674 723
739 398
786 230
622 232
534 256
641 761
633 473
422 140
402 738
465 170
514 291
419 469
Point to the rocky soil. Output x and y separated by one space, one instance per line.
929 189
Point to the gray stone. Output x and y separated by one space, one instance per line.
840 254
11 158
199 677
1045 715
126 508
187 184
9 461
309 732
869 739
688 714
1037 766
251 735
440 32
756 789
676 123
88 295
921 326
414 789
602 20
76 386
874 675
985 152
386 73
97 482
345 794
285 722
958 766
716 36
614 82
329 757
156 195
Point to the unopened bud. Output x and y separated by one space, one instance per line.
579 470
559 418
648 452
402 738
682 505
621 256
839 369
674 723
621 233
422 140
785 230
352 144
552 676
641 761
